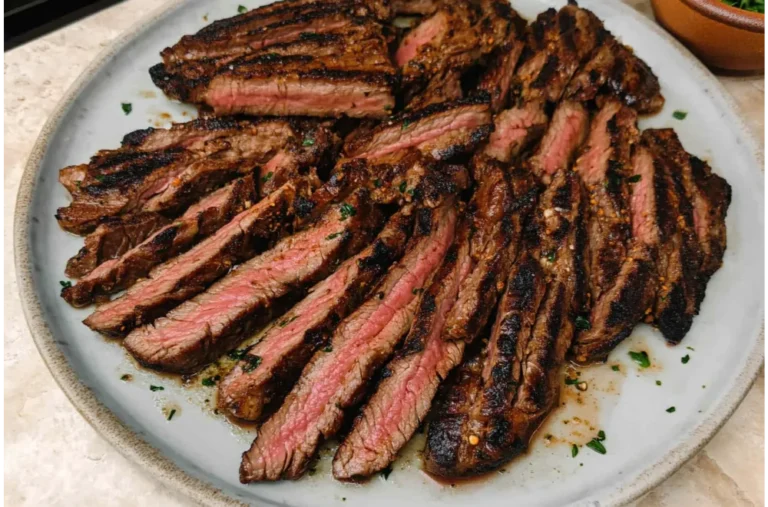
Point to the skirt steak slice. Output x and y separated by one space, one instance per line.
336 376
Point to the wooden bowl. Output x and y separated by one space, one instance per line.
722 36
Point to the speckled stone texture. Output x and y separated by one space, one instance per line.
54 458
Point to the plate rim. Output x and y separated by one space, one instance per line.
161 468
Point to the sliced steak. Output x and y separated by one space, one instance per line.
441 88
402 398
498 209
493 405
188 274
478 398
276 23
336 377
287 346
615 71
324 59
516 129
558 42
497 79
200 221
211 323
620 307
111 239
454 37
567 131
441 130
662 218
709 195
411 7
605 168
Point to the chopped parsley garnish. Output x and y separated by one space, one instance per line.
418 290
685 359
171 414
211 381
671 410
333 236
402 187
377 183
612 180
574 450
65 284
126 377
571 381
406 124
127 107
237 354
551 256
328 348
597 446
679 115
640 358
691 348
385 473
242 9
388 108
615 367
251 362
658 382
635 178
582 323
308 141
347 210
267 177
601 435
156 388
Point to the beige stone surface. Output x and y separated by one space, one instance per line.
54 458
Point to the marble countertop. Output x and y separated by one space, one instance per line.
53 457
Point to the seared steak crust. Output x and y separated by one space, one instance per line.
615 71
287 346
199 222
315 59
211 323
410 380
441 130
335 378
504 394
188 274
111 239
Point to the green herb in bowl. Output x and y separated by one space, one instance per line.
747 5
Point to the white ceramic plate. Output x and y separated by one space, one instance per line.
199 453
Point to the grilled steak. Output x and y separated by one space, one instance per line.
111 239
478 398
709 195
441 130
336 376
287 346
441 88
502 396
498 209
421 7
615 71
620 307
454 37
497 79
514 130
409 381
200 221
169 179
316 59
567 130
662 218
605 166
202 328
190 273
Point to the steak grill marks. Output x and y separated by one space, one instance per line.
315 59
211 323
336 377
287 346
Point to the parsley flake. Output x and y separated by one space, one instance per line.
671 410
615 367
251 362
679 115
267 177
597 446
65 284
574 450
308 141
242 9
385 473
582 323
156 388
211 381
333 236
635 178
347 210
127 107
173 413
237 354
685 359
641 358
